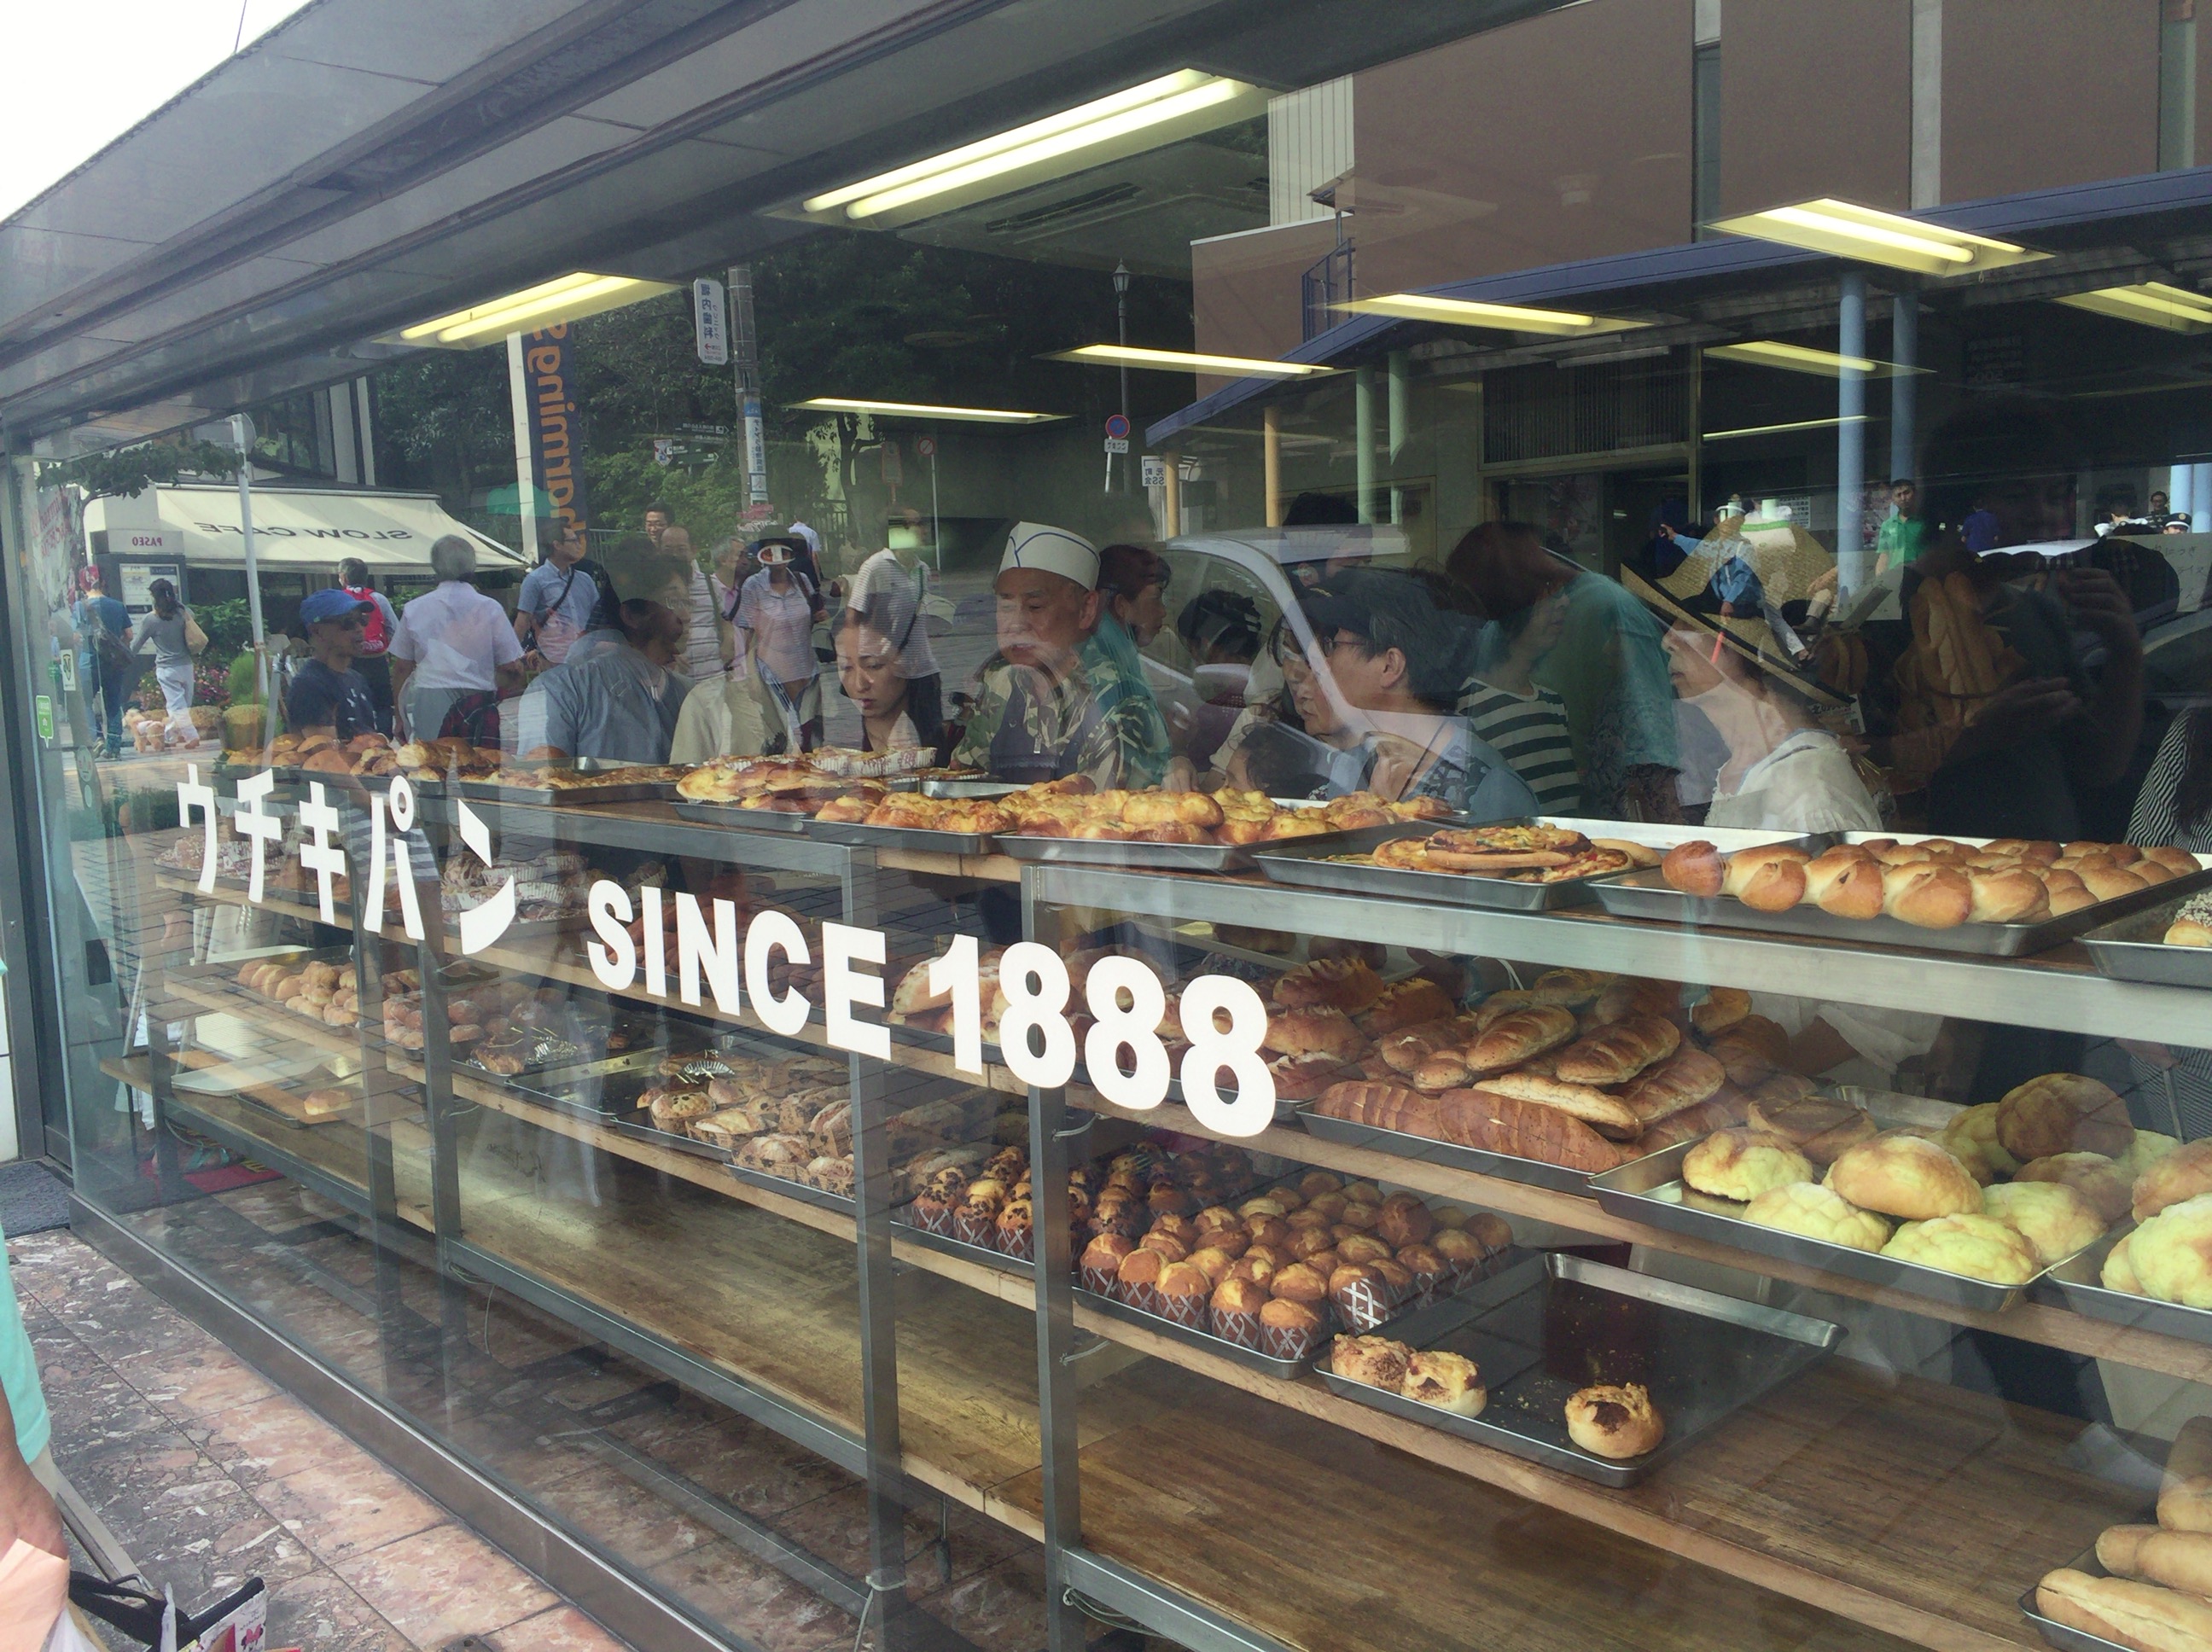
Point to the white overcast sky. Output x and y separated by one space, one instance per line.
83 72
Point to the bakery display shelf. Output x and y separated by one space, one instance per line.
728 816
1819 1492
2059 991
913 840
1398 1143
1650 1190
1126 855
910 1231
1316 863
306 908
2134 949
2028 1320
1704 1357
213 989
1648 895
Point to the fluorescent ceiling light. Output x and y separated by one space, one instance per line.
1128 355
566 298
1798 358
1776 429
925 410
2153 303
1826 225
1471 312
1145 117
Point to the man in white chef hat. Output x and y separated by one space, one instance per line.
1053 703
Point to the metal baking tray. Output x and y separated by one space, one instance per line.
919 840
1505 1166
2065 1634
745 820
1289 1369
1132 857
2134 949
791 1189
2077 1283
1647 895
633 791
1650 1190
987 1255
1709 1357
1306 863
982 787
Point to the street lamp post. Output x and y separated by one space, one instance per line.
1121 317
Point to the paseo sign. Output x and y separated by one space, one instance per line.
1223 1020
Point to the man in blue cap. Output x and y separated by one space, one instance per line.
326 691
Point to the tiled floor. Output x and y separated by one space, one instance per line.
208 1476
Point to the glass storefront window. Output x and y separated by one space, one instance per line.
1348 828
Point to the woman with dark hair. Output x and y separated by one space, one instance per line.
872 671
170 627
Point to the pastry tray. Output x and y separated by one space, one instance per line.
1124 855
982 786
1710 1356
632 792
746 820
1647 895
1306 863
2065 1634
1403 1144
918 839
843 1204
2078 1284
1650 1191
2133 950
987 1255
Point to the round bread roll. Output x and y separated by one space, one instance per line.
1845 881
2062 1112
1742 1163
1458 1247
2093 1176
2055 1219
1615 1422
1980 1247
2183 1174
1447 1381
1905 1177
1971 1138
1695 868
1494 1232
2145 1149
1817 1212
2118 1272
1377 1361
2171 1253
1930 896
1404 1220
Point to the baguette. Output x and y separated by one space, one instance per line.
1683 1080
2142 1616
1608 1113
1386 1107
1616 1054
2179 1560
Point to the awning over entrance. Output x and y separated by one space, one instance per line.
292 527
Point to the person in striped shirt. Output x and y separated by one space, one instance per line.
1506 707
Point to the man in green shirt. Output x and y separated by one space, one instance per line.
1904 536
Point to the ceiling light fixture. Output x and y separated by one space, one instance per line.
2152 303
1800 358
1473 313
1777 429
925 410
1826 225
1129 356
565 298
1145 117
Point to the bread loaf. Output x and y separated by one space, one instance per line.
2180 1560
1494 1123
1386 1107
1614 1054
1517 1037
2139 1615
2184 1496
1606 1113
1683 1080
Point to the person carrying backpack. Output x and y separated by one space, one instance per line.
382 620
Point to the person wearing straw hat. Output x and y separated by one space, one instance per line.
1051 703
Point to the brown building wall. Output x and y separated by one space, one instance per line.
1815 100
1564 136
1245 293
2041 93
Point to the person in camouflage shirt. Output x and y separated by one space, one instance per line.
1054 701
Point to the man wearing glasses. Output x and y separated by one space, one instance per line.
326 692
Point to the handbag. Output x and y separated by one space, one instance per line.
195 639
